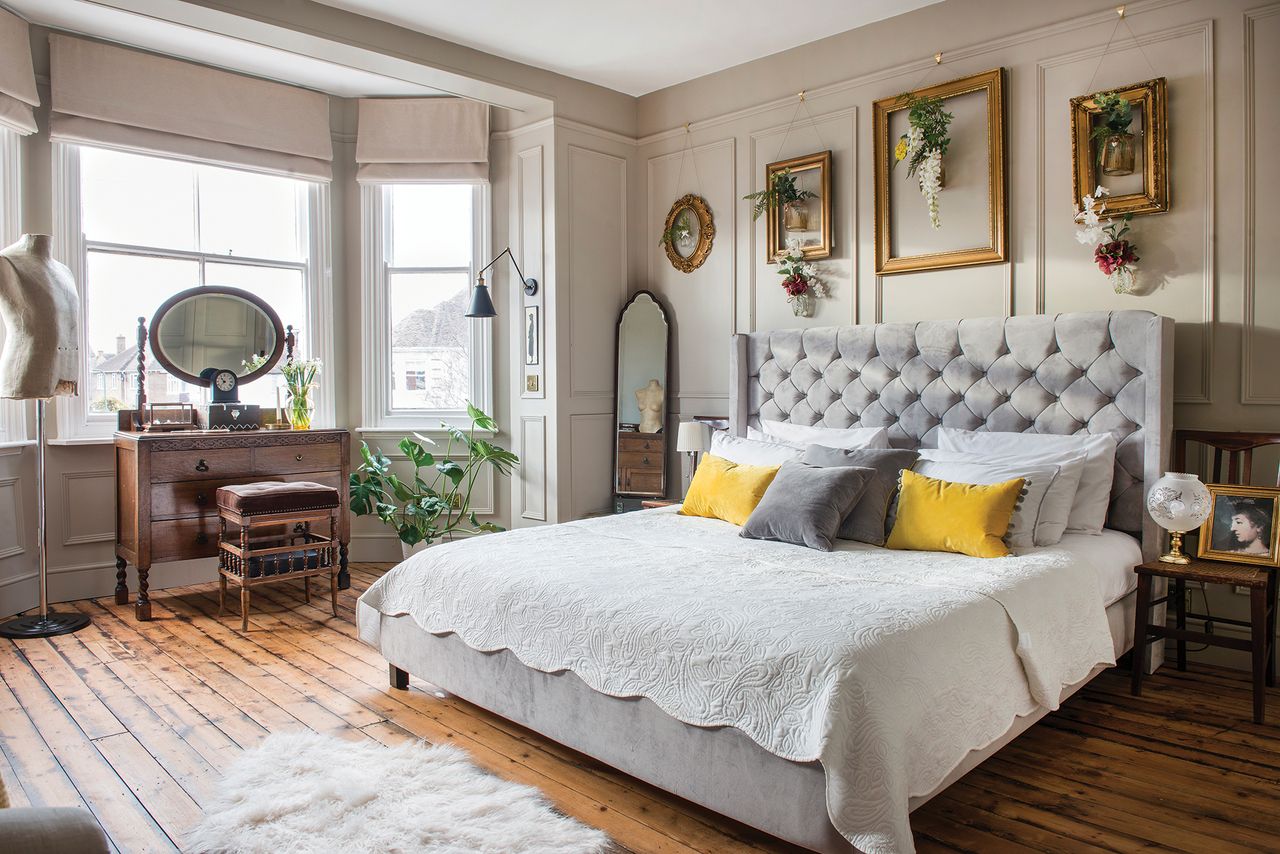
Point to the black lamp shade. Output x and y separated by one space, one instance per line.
481 302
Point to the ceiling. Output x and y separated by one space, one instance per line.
627 45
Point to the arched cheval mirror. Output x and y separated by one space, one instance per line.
643 377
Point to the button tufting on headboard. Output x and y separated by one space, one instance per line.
1069 373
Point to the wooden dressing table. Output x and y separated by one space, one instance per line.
165 485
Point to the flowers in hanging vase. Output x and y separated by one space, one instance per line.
1116 151
1115 256
923 146
680 233
799 279
299 380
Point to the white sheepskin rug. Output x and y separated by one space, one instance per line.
299 793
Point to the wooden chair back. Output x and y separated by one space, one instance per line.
1237 447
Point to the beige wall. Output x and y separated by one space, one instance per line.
1201 260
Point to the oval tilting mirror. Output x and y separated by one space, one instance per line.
643 334
216 327
689 233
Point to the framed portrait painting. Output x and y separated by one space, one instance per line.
968 224
1243 527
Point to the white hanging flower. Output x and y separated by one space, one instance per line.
1091 217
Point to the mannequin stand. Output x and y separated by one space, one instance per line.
45 624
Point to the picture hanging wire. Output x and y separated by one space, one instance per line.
1106 50
693 156
801 104
937 60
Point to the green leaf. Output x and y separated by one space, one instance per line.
417 454
451 470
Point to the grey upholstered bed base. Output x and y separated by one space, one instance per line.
718 768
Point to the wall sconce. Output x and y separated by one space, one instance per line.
481 302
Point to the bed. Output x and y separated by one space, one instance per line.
818 697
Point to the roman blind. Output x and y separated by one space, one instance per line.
414 140
107 95
17 79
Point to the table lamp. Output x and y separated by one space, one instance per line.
692 439
1178 502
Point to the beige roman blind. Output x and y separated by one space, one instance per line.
17 79
408 140
120 98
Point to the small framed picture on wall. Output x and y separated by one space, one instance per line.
800 207
1243 527
531 332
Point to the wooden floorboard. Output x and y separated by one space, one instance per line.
137 721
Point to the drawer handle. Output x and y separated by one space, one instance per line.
646 446
202 538
646 461
298 457
202 499
202 465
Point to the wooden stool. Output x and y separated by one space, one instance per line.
1260 580
271 518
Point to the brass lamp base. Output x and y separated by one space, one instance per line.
1175 555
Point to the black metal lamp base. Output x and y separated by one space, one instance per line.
36 626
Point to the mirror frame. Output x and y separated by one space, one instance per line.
706 234
153 329
666 403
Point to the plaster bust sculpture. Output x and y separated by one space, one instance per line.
40 309
649 399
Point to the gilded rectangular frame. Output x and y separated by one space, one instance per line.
773 244
1151 98
1204 544
996 250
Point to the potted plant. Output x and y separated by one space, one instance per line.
923 146
782 193
1116 149
799 279
425 509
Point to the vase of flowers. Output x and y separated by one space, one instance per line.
680 234
799 279
1117 150
299 381
923 147
1115 256
783 193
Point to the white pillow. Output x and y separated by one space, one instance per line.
1093 496
848 438
747 452
1033 522
760 436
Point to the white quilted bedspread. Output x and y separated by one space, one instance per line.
888 667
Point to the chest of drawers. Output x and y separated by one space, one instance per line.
166 482
641 466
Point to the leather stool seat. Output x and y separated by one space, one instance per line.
267 497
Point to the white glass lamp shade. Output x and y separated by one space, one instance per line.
1179 502
692 437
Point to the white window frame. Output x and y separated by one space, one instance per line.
13 413
75 425
375 252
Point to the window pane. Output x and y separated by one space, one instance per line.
249 215
141 201
430 340
431 225
120 289
283 290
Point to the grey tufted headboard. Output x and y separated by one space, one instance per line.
1067 373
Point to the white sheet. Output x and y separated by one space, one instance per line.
1113 555
888 667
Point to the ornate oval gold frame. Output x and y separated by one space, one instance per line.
706 233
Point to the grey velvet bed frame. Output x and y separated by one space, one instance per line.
1066 373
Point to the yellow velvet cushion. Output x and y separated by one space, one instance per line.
725 490
941 516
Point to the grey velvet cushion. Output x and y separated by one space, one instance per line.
866 521
804 505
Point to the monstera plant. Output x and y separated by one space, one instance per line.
435 502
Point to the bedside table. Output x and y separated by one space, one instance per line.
1261 582
650 503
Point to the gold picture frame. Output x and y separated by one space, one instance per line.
1254 513
812 172
701 242
995 249
1149 99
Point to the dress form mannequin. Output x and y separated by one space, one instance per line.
41 359
649 400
